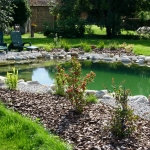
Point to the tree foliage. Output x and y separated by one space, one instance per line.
21 12
104 13
68 17
6 11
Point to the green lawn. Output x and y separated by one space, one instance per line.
20 133
141 47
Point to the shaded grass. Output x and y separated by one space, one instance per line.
18 132
141 46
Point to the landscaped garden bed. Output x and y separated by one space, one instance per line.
88 130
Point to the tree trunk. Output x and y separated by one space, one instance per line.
108 31
32 31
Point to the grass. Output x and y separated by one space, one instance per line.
141 46
20 133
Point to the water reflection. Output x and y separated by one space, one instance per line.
43 76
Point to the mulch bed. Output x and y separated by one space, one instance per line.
86 131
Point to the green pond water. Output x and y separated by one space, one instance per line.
137 80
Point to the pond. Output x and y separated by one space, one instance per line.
137 80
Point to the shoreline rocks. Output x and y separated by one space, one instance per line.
27 57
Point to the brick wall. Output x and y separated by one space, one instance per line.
39 15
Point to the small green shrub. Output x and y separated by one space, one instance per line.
12 79
64 44
113 46
122 122
91 98
101 44
127 47
85 46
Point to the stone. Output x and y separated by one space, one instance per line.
68 56
125 59
23 83
101 93
107 96
32 57
82 58
21 80
61 56
10 58
88 92
141 57
108 59
33 82
141 61
147 59
18 58
2 80
53 87
138 99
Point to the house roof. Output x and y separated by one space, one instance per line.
39 2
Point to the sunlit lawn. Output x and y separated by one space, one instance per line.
20 133
141 46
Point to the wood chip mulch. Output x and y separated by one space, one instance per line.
86 131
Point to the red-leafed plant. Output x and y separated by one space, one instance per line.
76 85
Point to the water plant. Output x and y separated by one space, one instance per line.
122 121
11 80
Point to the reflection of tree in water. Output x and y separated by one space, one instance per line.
51 71
26 74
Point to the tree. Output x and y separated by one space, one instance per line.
104 13
110 13
6 11
68 17
21 12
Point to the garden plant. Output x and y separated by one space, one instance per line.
12 79
123 119
76 85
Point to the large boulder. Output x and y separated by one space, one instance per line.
138 99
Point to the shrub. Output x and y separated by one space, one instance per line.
127 47
77 85
91 98
64 44
101 44
12 79
85 46
122 122
113 46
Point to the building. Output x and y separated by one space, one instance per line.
40 14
